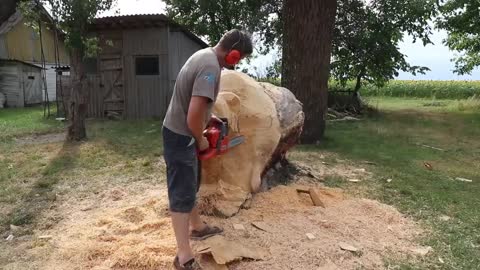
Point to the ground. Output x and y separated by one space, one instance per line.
101 204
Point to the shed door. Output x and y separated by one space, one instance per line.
111 73
111 85
32 87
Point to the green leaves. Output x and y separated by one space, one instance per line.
367 37
461 19
212 18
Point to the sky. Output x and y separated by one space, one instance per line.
437 57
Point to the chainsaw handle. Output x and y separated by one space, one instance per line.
207 154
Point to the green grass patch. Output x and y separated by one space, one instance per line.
22 121
425 105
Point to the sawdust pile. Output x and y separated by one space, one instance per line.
377 230
134 232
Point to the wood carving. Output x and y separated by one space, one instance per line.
270 118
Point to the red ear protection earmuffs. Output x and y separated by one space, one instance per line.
233 57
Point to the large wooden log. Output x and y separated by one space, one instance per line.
270 118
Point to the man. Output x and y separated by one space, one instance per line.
188 114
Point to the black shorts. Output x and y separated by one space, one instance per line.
183 170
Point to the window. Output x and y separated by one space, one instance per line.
146 65
90 65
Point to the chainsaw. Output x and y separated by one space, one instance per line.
218 140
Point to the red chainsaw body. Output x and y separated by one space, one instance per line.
218 140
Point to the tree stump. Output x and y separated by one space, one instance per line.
270 118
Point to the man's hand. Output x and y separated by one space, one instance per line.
203 144
214 120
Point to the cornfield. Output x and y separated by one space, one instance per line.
412 89
425 89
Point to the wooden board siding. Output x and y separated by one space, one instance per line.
145 95
96 101
95 105
23 44
181 47
10 83
21 83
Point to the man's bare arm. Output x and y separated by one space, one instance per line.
196 119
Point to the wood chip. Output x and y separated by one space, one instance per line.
261 226
310 236
441 260
362 170
354 180
10 237
347 247
432 147
389 180
45 237
463 179
208 263
369 163
224 251
239 227
444 218
14 228
422 251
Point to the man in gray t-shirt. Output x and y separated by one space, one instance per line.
189 113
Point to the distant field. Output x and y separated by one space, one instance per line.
413 89
424 89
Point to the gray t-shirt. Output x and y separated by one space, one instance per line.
200 76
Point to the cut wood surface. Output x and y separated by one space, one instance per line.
271 120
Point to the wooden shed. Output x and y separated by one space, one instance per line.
20 82
134 74
20 42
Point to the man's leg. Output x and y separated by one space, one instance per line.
180 158
196 223
180 227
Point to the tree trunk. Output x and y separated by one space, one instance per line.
78 99
358 85
307 45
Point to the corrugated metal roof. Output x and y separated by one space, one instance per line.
142 20
19 61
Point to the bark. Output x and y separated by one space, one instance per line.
78 99
307 45
359 83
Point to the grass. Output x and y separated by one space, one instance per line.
471 104
126 150
22 121
393 140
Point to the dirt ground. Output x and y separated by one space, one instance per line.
128 227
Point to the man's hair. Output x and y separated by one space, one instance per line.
237 40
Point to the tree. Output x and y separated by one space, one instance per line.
307 44
367 35
460 18
73 18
